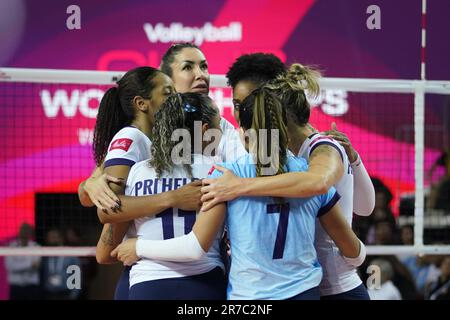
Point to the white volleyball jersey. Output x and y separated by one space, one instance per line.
230 147
128 146
170 223
338 275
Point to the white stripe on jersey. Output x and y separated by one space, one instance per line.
173 222
338 276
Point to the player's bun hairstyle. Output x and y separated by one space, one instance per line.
293 87
117 109
262 110
179 111
169 57
256 67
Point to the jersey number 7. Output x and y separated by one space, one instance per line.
283 210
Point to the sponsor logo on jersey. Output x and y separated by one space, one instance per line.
123 144
211 170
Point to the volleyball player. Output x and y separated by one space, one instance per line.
187 66
122 138
328 165
155 279
272 239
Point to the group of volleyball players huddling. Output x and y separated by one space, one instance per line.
196 209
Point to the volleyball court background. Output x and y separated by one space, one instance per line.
46 128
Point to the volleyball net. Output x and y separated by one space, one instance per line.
400 128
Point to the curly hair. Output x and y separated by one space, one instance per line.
179 111
256 67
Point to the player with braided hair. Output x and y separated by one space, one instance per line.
274 253
328 165
187 66
251 71
153 278
122 138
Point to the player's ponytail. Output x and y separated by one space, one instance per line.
293 87
110 119
262 112
305 78
117 108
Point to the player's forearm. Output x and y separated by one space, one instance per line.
85 200
83 196
364 193
190 247
334 223
179 249
208 224
349 246
137 207
289 185
111 236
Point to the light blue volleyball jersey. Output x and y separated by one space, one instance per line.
272 240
